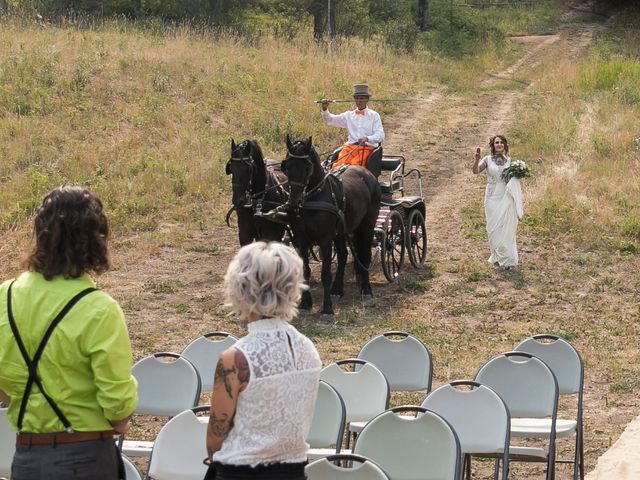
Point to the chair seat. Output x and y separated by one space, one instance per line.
137 448
318 453
528 454
541 427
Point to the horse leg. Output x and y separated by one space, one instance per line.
305 301
325 276
363 238
246 226
341 252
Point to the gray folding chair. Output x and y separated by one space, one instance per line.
7 444
131 472
345 467
327 427
403 359
168 384
365 392
530 391
566 364
411 448
480 419
204 351
180 447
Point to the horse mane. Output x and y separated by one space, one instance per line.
260 176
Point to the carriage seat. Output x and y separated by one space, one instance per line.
407 203
374 160
393 183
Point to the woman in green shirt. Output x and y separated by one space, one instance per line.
64 348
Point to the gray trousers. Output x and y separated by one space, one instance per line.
92 460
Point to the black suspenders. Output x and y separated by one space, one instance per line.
32 363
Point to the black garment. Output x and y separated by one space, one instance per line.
274 471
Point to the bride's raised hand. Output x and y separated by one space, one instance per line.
478 153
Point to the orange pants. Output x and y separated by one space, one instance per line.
353 155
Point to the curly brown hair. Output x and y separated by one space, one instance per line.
504 141
71 233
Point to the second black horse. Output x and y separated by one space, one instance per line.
327 208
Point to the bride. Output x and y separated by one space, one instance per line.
502 203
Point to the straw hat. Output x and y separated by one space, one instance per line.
361 89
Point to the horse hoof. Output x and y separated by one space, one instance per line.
305 306
337 291
326 318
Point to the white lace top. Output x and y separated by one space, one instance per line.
274 413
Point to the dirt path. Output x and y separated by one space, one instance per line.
464 310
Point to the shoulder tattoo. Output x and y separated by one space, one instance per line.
242 367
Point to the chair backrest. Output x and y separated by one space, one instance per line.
327 427
561 357
478 415
131 472
411 448
365 392
524 382
204 351
359 468
180 448
168 384
7 444
404 360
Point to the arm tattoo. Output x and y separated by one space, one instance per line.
242 367
220 426
222 375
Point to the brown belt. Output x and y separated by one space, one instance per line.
61 437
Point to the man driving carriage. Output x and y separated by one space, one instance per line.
364 128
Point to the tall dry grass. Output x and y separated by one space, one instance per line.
582 134
144 117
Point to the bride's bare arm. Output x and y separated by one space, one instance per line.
477 168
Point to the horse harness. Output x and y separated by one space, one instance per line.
32 363
333 181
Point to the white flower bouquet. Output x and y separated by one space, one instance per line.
518 169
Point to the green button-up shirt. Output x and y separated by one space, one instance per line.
86 365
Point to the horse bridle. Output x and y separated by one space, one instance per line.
248 161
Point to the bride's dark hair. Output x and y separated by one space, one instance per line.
504 141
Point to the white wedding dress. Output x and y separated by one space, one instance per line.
502 208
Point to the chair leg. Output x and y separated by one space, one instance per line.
496 469
581 456
467 465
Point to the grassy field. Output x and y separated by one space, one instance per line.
144 118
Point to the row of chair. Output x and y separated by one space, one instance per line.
514 395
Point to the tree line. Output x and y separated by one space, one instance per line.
328 17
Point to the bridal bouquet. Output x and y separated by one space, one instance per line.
518 169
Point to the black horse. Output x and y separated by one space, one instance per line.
255 187
328 208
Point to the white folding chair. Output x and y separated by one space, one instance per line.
327 427
403 359
480 419
204 351
411 448
168 384
365 392
344 467
180 447
530 391
566 364
131 472
7 444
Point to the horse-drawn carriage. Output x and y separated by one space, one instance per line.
320 209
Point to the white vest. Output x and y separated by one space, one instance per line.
274 413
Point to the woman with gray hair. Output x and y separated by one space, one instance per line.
265 386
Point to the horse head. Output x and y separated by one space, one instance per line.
302 166
245 174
